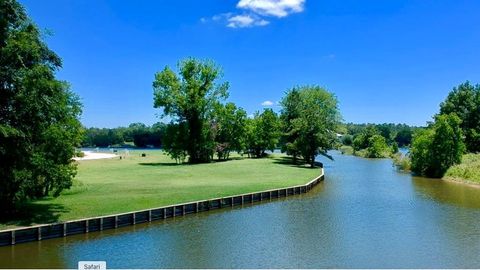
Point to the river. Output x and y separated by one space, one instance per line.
364 215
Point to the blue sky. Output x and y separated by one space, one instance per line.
386 60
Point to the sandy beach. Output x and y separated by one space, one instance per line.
89 155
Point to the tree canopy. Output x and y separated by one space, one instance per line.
39 115
311 117
438 147
189 98
464 101
263 133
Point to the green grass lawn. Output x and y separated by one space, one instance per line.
467 171
112 186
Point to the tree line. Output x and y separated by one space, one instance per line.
376 140
136 134
203 125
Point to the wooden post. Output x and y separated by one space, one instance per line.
133 218
183 210
261 195
64 229
116 222
231 201
39 233
12 237
173 214
149 215
270 196
86 226
101 224
219 203
164 213
196 207
243 196
251 196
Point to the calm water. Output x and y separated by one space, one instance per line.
365 215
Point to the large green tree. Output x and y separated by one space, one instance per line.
230 129
438 147
39 126
289 113
464 100
263 133
189 98
313 122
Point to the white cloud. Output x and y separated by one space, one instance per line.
255 11
277 8
240 21
267 103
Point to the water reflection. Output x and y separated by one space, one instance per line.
447 192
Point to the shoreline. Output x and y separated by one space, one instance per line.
11 237
450 179
461 181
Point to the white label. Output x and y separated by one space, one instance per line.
92 265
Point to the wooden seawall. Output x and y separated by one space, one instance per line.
55 230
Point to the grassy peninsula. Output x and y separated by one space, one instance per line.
108 186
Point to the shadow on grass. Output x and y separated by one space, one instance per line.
172 164
300 163
34 213
168 164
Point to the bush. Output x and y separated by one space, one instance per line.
378 147
402 162
347 140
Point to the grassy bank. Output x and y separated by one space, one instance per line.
468 171
111 186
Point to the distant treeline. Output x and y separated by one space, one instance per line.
138 134
393 133
376 140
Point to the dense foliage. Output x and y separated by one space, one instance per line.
230 129
464 101
189 98
456 130
39 126
262 133
438 147
373 141
310 117
401 134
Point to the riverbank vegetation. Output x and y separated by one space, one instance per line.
468 170
437 150
110 186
